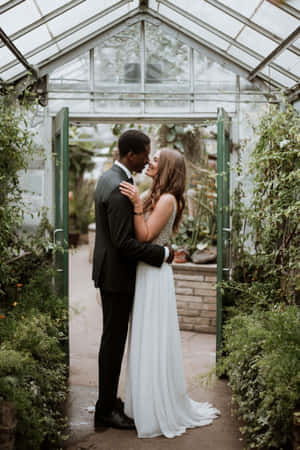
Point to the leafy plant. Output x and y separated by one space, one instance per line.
33 319
263 365
261 333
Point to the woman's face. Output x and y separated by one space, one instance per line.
153 165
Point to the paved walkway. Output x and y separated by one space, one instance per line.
199 359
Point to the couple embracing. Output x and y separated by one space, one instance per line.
132 269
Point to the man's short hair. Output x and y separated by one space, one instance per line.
132 141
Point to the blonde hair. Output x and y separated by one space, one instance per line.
170 178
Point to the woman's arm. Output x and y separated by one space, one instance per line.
146 231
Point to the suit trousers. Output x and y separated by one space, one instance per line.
116 309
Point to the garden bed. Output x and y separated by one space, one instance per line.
196 296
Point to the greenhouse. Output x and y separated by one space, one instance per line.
218 83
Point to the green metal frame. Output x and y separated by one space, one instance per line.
223 211
61 149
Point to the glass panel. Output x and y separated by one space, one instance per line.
46 6
117 61
77 103
244 8
6 56
33 39
167 61
10 73
211 75
167 106
32 182
207 104
41 56
289 61
243 56
72 75
19 16
256 41
194 28
276 76
275 20
117 107
78 14
210 15
96 26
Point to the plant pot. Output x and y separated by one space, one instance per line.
179 256
7 425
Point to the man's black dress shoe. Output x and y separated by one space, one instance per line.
115 419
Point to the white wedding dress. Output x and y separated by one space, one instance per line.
156 394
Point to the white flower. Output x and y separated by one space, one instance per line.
284 143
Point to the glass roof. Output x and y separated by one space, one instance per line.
242 34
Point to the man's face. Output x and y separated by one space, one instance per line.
139 161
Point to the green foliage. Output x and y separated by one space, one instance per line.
271 222
80 161
33 321
16 149
263 364
261 333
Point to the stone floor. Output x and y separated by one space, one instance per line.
199 360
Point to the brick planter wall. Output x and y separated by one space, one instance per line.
196 296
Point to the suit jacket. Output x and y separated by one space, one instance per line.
116 250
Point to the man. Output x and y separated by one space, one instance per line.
116 255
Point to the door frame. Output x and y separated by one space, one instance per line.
223 216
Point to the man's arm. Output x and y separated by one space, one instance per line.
120 221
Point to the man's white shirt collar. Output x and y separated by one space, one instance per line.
126 170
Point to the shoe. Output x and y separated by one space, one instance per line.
115 419
119 405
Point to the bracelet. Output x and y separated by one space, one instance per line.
138 213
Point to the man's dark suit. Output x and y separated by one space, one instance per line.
116 255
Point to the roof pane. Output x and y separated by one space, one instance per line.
193 27
282 79
243 56
210 15
244 8
33 39
78 14
275 20
41 56
82 33
19 68
256 41
47 6
19 16
5 56
289 61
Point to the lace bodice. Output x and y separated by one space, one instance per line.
166 232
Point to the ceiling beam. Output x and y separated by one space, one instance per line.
279 49
284 6
66 33
236 15
37 23
11 46
8 5
226 38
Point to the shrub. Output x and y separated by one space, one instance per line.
263 363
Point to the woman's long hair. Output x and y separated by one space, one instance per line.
170 178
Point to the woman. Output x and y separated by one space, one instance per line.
156 394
